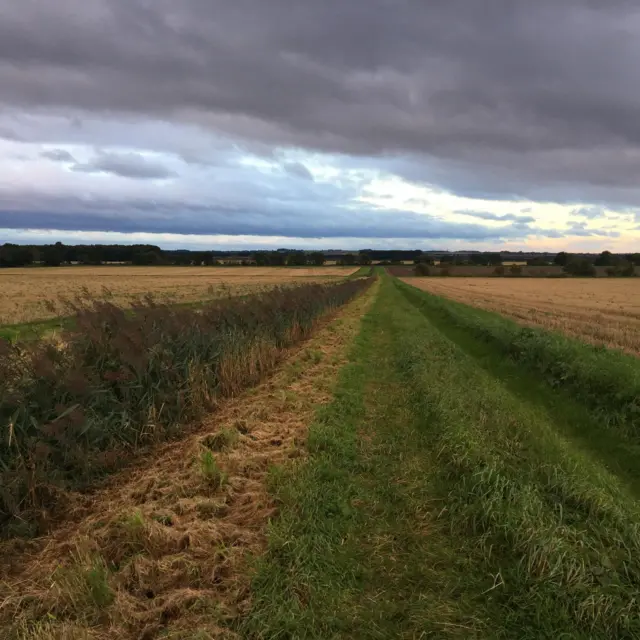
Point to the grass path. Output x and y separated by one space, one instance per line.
357 551
448 495
162 552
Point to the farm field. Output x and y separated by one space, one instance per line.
28 295
418 468
598 311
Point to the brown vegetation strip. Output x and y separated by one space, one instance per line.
34 294
164 551
597 311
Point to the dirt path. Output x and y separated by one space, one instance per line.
165 551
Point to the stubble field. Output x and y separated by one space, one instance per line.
597 311
28 295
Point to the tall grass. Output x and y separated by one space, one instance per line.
74 409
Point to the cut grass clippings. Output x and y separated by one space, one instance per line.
167 545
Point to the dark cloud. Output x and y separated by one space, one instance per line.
535 99
504 217
125 165
289 217
298 170
58 155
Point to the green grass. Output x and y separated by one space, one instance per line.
451 492
605 380
33 330
362 272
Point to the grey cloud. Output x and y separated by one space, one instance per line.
58 155
298 170
504 217
7 133
126 165
532 99
256 215
589 212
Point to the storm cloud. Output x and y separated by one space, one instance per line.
519 101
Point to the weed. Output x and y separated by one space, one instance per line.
222 440
210 471
82 587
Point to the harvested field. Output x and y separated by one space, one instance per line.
597 311
33 294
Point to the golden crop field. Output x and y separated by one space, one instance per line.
600 311
35 294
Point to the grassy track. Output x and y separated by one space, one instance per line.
451 492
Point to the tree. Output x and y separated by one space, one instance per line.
347 259
422 269
365 258
537 262
13 255
606 259
146 258
562 259
634 258
317 258
296 259
499 270
515 270
205 258
52 256
580 267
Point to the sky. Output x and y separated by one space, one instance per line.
448 124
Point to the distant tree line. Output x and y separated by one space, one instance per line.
53 255
616 264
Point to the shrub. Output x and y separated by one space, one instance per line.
422 269
515 270
499 270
